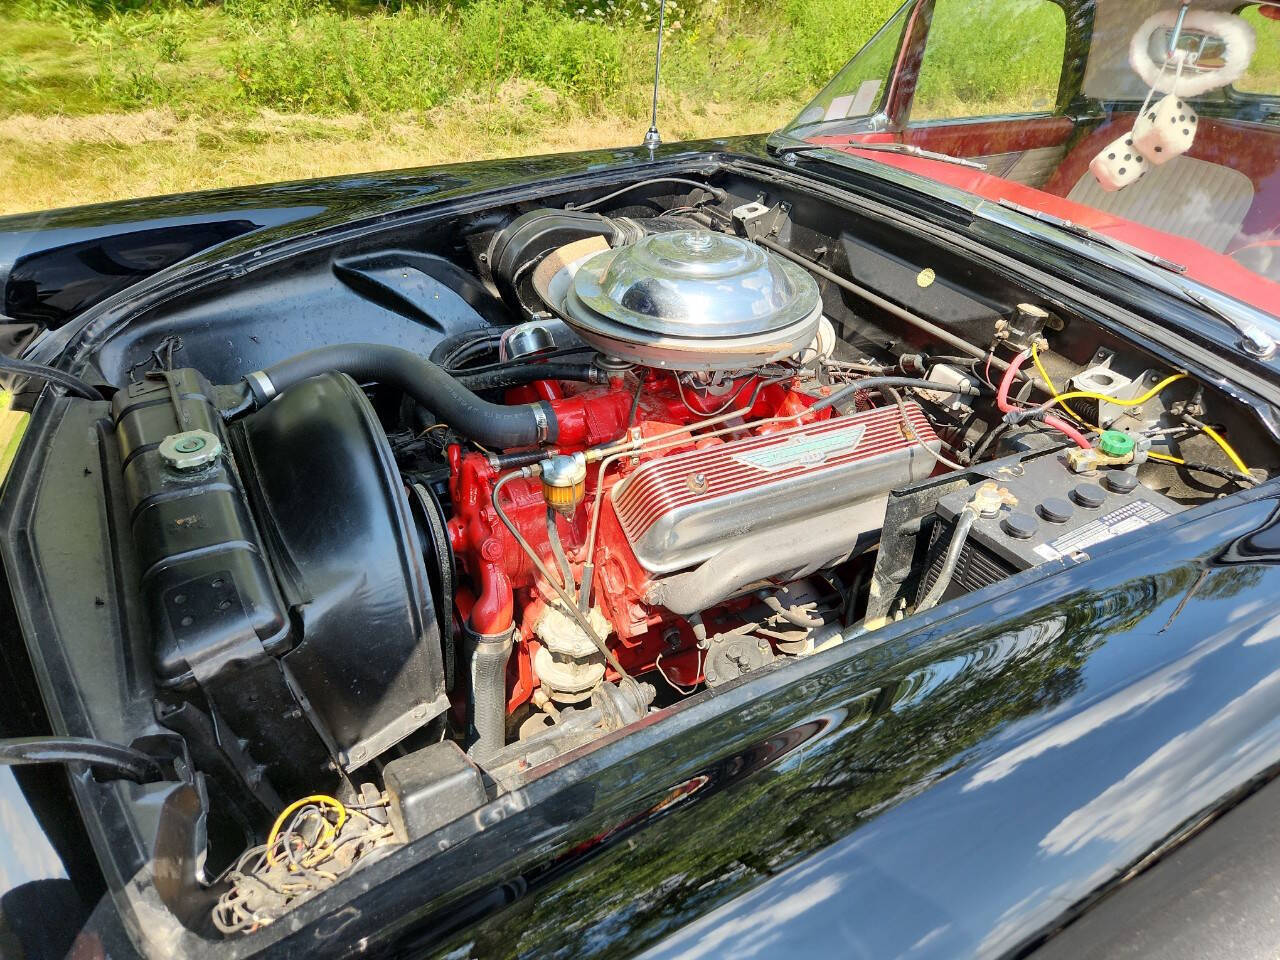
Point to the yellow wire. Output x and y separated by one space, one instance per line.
1102 397
1053 391
1059 399
1226 448
330 831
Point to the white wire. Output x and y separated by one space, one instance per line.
671 683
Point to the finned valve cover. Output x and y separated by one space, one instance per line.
678 510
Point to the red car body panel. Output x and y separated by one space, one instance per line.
1206 266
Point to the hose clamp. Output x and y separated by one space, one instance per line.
543 421
261 385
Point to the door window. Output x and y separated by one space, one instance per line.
1263 75
987 58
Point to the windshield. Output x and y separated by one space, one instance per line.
1154 123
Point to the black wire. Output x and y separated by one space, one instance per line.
109 760
523 374
557 354
959 535
985 440
875 383
38 371
635 402
1236 475
460 353
957 361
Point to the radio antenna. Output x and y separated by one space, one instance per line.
652 138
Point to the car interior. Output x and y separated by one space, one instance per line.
1223 191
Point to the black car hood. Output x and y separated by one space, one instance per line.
56 264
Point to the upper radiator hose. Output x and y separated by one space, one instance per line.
492 424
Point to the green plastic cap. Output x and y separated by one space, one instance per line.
1115 443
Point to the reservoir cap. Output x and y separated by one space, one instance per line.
1020 526
1118 481
1056 510
1088 495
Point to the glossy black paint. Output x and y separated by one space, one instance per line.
954 790
50 287
56 264
1212 897
958 785
961 788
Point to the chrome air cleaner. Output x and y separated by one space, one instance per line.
686 300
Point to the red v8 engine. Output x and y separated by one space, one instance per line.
697 496
534 478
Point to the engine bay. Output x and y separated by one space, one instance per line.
398 524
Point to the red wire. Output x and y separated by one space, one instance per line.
1002 402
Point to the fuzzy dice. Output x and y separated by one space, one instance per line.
1166 130
1118 165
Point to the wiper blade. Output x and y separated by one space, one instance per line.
905 149
1253 338
911 150
1119 246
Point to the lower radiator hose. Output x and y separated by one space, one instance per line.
489 655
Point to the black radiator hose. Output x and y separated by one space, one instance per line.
520 374
491 424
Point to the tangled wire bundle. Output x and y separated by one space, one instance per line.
314 842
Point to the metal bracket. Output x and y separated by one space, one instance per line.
1177 29
754 220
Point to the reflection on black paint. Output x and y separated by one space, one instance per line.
787 828
52 286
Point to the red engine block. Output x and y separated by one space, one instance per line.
508 587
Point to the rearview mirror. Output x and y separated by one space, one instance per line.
1191 52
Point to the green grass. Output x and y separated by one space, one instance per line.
1263 75
1017 71
112 98
69 58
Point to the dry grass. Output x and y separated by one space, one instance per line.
57 161
13 424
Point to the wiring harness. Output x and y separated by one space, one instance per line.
313 842
1240 470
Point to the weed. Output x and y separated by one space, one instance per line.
428 80
15 76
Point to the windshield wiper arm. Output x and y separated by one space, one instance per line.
911 150
905 149
1119 246
1253 339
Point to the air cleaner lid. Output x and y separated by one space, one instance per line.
695 283
693 299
